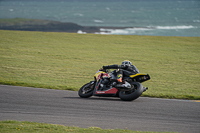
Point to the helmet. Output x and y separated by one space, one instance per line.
126 63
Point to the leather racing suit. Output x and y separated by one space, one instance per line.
122 71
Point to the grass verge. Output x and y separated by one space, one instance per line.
68 60
24 127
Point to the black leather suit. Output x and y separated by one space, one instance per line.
124 70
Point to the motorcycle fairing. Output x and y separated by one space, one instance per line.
98 75
110 91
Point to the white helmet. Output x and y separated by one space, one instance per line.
126 63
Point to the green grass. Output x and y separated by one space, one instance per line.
25 127
68 60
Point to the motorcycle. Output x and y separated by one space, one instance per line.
104 85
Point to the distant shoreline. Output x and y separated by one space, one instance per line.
49 26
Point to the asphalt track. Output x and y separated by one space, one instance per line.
66 108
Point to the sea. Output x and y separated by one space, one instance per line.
135 17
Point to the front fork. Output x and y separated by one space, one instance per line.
97 85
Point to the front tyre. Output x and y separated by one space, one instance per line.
134 93
86 90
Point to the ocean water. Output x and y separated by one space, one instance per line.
139 17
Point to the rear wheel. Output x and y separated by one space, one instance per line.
134 93
86 90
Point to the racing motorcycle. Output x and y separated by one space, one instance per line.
105 85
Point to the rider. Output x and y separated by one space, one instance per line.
123 70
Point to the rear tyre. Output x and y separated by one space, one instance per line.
86 90
134 93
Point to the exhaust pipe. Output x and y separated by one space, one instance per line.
145 88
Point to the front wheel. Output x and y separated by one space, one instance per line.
86 90
134 93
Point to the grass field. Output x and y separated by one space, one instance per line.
68 60
25 127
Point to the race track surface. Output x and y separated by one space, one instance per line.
66 108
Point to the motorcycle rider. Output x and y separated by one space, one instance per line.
125 69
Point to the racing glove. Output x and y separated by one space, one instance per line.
105 67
